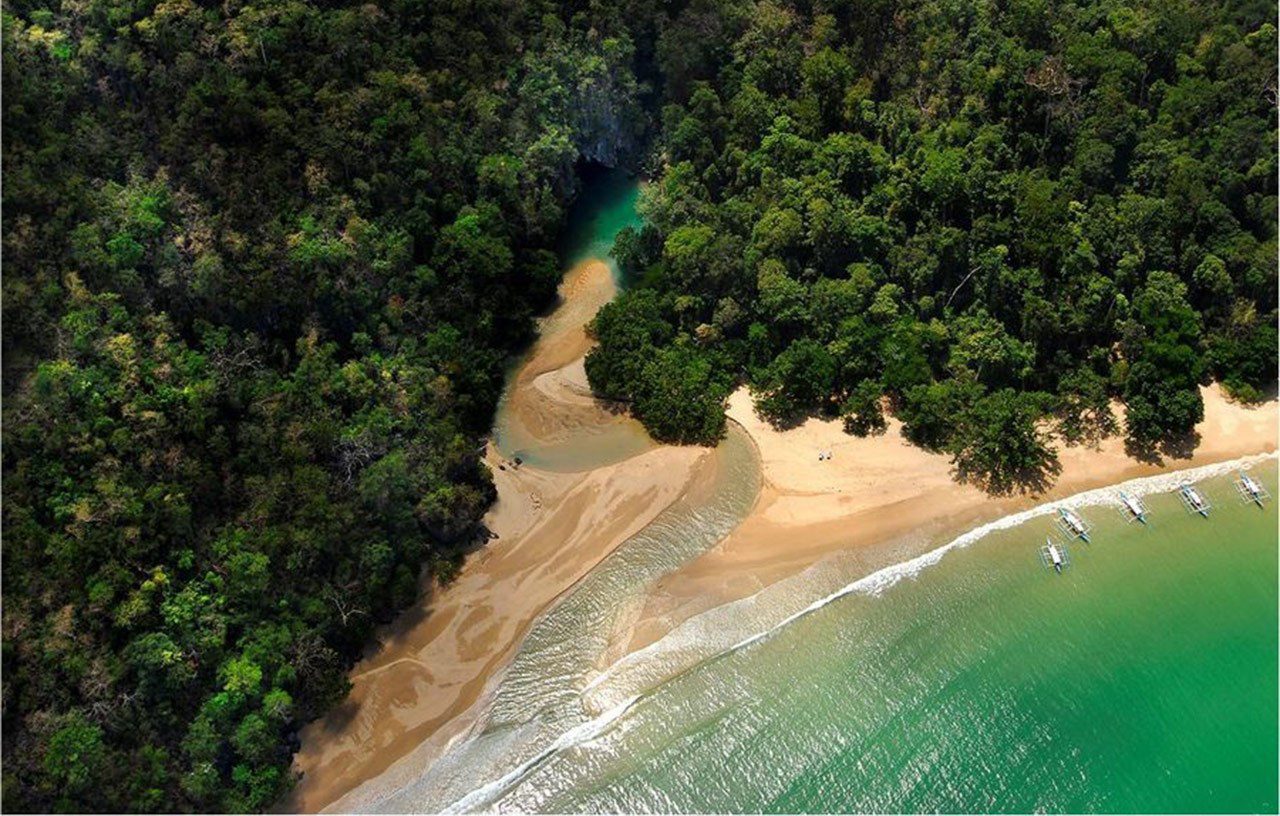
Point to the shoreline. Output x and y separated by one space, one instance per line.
592 479
423 682
880 501
719 630
433 664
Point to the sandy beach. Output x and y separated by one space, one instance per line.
424 682
880 488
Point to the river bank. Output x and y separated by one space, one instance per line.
607 544
421 683
434 663
874 503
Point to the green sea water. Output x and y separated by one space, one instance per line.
1142 679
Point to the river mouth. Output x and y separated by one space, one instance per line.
589 513
547 417
551 422
802 690
540 707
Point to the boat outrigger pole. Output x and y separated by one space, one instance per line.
1135 507
1054 555
1073 524
1251 490
1194 499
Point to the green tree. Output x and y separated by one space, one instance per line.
627 330
681 397
1084 408
862 411
797 382
930 413
75 756
1162 395
1001 447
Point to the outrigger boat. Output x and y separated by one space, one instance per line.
1073 524
1251 489
1054 556
1135 507
1194 500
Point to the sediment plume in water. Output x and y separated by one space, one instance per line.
572 686
539 698
589 482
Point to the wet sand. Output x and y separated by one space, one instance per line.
545 403
424 680
875 491
425 684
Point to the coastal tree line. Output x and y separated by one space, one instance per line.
264 264
992 218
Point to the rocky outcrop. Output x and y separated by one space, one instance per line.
608 121
585 94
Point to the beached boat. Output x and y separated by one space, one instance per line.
1194 500
1137 510
1073 524
1054 556
1251 490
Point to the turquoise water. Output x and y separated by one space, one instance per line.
606 205
1143 679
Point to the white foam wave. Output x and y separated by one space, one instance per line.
640 665
703 637
577 736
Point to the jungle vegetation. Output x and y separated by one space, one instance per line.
264 262
992 219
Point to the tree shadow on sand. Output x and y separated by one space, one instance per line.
794 418
1000 481
1155 452
785 422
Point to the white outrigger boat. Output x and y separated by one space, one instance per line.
1055 556
1073 525
1137 510
1251 490
1194 500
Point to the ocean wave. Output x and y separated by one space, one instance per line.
729 628
702 638
575 737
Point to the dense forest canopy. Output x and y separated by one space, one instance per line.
993 213
264 264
